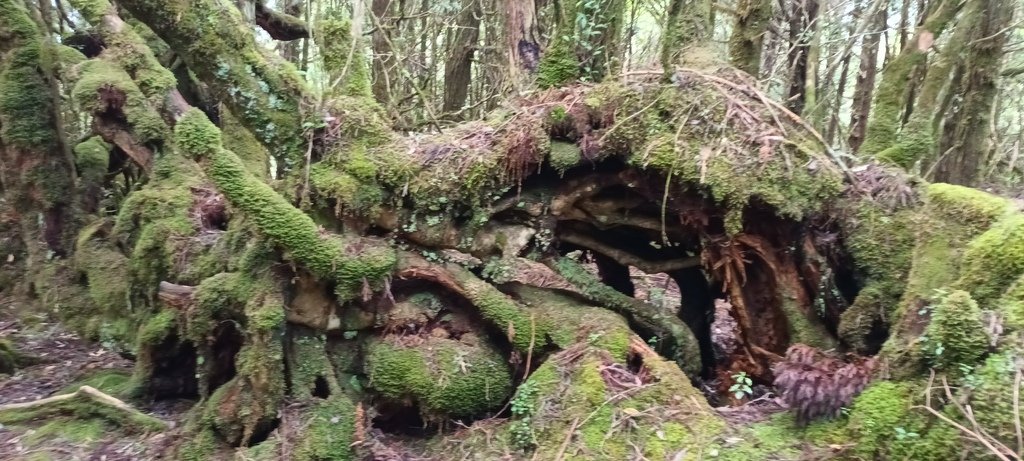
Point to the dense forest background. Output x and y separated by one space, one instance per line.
523 229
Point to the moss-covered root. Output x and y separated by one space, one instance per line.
352 263
86 402
576 406
685 349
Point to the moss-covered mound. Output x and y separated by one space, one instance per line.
445 377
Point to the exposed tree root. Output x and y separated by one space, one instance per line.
101 404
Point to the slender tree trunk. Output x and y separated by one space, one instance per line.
586 44
458 69
802 31
747 40
890 101
385 73
865 85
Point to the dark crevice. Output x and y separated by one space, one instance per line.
225 348
696 310
401 420
174 370
320 388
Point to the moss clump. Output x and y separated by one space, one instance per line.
868 311
349 262
956 334
657 426
25 102
558 66
84 408
344 58
994 260
99 78
669 132
117 383
1011 304
106 272
991 398
129 51
10 359
259 88
91 159
158 327
330 428
240 140
444 376
777 438
564 155
967 205
875 414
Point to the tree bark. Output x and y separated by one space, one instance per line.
458 68
747 40
865 85
803 20
964 146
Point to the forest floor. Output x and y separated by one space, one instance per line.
64 362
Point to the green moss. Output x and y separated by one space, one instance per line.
10 359
777 438
117 383
558 66
564 155
309 363
157 328
91 159
343 60
99 77
84 432
446 377
259 88
82 408
956 334
25 103
1011 304
994 260
669 133
868 311
200 447
330 427
129 51
240 140
991 398
654 427
875 414
970 206
677 338
351 262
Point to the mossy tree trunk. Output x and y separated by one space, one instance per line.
964 147
747 40
586 42
891 104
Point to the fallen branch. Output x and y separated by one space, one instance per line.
134 419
